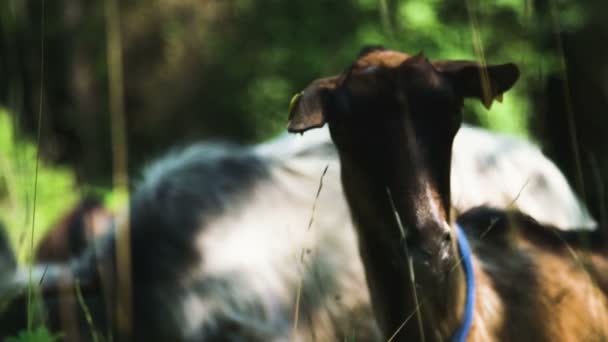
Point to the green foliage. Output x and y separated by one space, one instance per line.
26 185
308 40
40 334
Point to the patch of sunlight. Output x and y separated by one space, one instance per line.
55 190
116 200
418 14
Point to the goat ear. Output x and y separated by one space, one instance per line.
486 82
307 109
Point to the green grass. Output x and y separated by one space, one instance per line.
40 334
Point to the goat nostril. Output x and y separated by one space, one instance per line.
447 237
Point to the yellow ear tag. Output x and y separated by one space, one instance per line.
294 101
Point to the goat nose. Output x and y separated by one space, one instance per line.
429 244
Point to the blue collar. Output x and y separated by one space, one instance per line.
465 255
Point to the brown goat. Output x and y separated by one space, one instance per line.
393 118
73 232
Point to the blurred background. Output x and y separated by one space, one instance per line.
92 90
